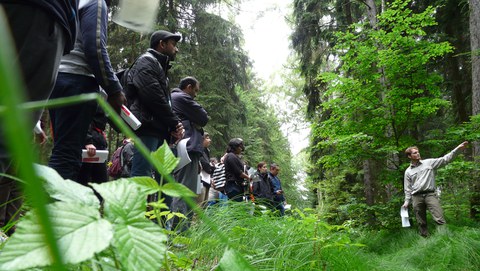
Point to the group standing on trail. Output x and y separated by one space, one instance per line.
73 60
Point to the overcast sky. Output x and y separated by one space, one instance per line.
266 34
267 42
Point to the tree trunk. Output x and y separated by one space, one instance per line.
475 47
368 178
368 183
372 13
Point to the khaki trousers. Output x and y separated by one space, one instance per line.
422 202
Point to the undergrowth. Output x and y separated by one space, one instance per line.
302 241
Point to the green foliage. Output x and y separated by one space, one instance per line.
374 102
450 248
313 38
301 241
383 87
81 230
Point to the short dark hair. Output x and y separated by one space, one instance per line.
261 164
190 80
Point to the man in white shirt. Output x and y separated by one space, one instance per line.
419 185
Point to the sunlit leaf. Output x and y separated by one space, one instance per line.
124 200
149 184
166 158
177 190
140 244
79 231
232 260
66 190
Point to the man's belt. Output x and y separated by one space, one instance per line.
424 192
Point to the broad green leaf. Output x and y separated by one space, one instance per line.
177 190
167 159
140 244
124 200
146 183
66 190
80 233
232 260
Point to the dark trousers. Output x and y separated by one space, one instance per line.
280 207
93 173
188 176
70 124
234 191
39 42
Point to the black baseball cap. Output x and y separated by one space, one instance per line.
159 35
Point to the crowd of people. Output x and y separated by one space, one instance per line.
62 52
242 183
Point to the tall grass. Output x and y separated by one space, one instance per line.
303 241
448 248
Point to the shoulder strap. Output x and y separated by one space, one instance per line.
121 155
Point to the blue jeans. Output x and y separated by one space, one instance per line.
140 165
222 199
70 123
280 207
234 192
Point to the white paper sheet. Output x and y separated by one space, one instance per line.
199 185
182 153
138 15
404 216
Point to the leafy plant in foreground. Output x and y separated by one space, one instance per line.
82 229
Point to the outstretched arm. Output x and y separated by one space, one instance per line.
462 146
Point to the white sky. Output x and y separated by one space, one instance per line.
266 35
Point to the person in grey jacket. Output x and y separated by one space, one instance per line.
419 185
193 117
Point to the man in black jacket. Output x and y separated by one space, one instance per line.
150 99
194 117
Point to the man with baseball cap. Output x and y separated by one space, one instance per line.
150 100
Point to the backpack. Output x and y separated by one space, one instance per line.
115 169
122 75
218 177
